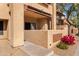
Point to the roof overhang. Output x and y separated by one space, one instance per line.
35 13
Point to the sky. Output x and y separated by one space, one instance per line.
67 7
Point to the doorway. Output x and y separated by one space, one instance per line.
1 27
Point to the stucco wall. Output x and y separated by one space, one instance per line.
44 37
16 25
4 15
42 24
73 30
51 33
4 11
76 30
38 37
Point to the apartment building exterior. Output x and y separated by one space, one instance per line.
36 23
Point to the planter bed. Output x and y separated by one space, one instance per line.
66 52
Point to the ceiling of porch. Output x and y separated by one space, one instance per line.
29 13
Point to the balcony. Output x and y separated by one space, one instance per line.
42 7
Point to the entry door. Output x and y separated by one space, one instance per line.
1 27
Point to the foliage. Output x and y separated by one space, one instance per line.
71 10
62 45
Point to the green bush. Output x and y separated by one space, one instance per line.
62 45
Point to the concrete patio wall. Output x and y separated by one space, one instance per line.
73 30
44 37
53 34
51 38
39 37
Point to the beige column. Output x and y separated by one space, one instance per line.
54 16
16 25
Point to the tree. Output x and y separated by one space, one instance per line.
71 10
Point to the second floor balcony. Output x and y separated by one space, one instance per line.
41 6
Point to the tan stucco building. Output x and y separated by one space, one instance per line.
36 23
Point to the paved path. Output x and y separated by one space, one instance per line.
26 50
36 50
30 49
77 50
7 50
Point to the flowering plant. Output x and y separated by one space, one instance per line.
68 39
65 41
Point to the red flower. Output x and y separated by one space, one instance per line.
68 39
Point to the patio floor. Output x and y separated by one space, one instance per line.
30 49
7 50
35 50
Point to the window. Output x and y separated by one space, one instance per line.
1 27
59 21
29 26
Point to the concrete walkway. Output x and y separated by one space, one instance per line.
77 50
29 49
36 50
7 50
